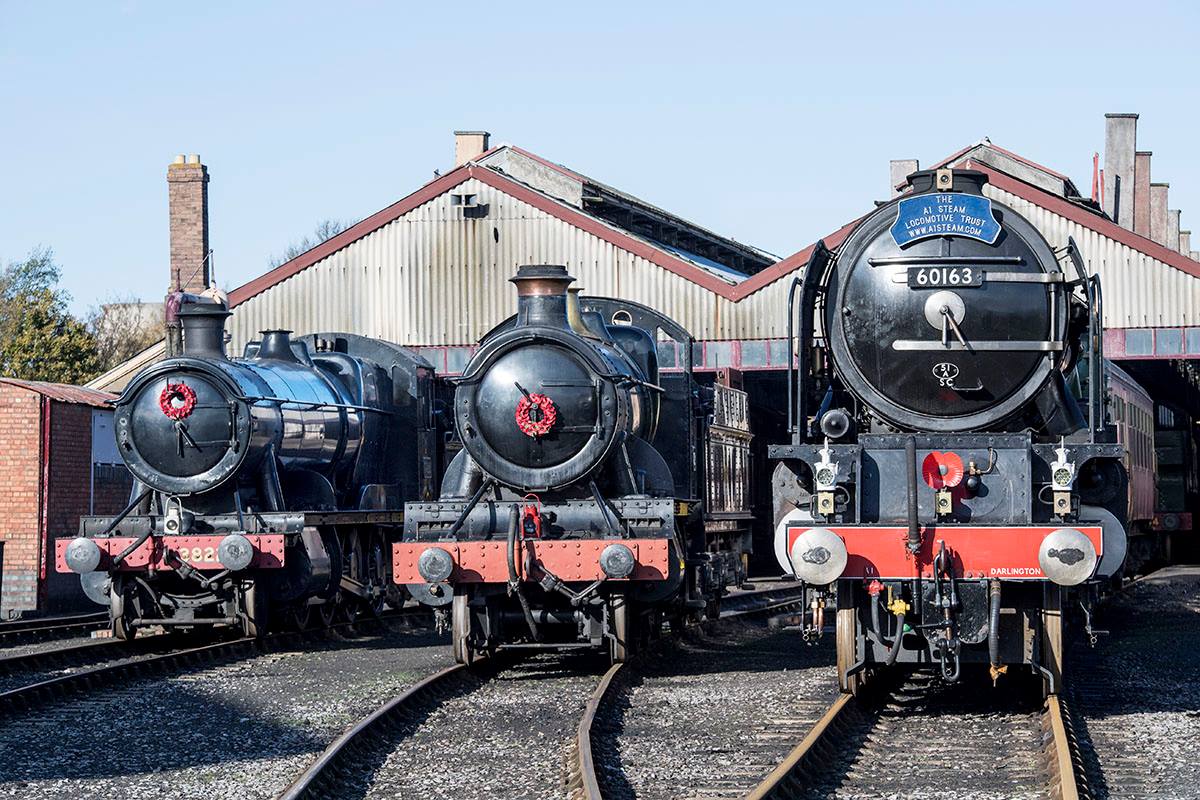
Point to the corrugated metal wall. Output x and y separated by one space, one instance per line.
1139 291
435 278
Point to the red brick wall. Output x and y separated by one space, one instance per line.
69 488
20 482
30 581
72 479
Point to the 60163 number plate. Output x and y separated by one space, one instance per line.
929 277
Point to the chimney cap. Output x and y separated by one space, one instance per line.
1123 115
1160 184
1143 152
471 133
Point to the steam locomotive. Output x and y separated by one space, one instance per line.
267 489
594 494
951 483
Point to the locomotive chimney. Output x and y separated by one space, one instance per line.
204 329
542 295
277 344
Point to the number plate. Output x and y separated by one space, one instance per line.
937 277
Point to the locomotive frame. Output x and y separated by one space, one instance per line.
268 489
929 530
626 528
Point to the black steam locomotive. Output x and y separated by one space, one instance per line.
950 476
268 488
582 509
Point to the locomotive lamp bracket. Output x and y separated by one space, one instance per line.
825 475
1062 478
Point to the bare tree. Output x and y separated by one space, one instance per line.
123 327
326 229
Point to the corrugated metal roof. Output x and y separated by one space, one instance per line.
65 392
119 376
420 272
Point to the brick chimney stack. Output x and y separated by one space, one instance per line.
898 171
469 145
1120 143
187 187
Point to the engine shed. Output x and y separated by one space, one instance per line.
431 270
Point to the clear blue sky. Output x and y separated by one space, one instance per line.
771 123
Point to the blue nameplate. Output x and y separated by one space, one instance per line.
955 214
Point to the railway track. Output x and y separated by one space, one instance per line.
921 739
721 691
29 680
523 703
42 629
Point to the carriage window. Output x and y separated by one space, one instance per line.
1169 342
1139 342
697 354
1193 340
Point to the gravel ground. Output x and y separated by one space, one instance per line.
243 729
1136 695
712 714
965 741
504 739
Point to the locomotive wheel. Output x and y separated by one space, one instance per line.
622 620
254 611
847 639
298 616
118 620
460 624
365 561
1052 637
327 612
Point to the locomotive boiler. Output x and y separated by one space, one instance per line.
579 511
266 487
951 483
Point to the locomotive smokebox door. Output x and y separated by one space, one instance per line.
946 311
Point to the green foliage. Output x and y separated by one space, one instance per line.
39 339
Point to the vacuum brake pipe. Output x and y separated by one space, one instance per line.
514 582
994 622
895 647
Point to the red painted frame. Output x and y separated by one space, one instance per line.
268 552
574 560
1009 553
